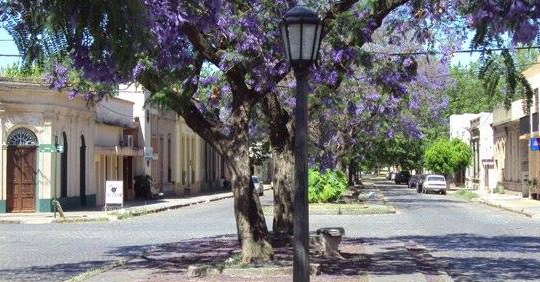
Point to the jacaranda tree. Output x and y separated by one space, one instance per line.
168 46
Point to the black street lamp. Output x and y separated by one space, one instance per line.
301 30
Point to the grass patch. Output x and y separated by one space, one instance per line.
466 194
95 271
129 213
341 209
81 219
235 261
499 190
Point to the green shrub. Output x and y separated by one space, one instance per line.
142 186
466 194
326 187
446 156
499 190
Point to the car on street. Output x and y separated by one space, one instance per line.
413 181
402 177
434 183
419 183
258 187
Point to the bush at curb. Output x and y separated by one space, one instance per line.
465 194
80 220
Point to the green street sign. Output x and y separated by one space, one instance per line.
50 148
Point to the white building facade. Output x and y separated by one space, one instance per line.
476 130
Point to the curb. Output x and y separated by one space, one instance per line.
142 212
422 257
99 270
521 212
10 221
80 220
174 207
133 213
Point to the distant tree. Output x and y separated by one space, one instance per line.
446 156
18 71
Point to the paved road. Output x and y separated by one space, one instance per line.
473 242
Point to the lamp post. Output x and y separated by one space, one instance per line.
301 30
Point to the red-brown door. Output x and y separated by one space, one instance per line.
128 177
21 179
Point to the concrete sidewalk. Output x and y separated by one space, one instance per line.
511 202
131 209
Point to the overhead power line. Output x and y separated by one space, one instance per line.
457 51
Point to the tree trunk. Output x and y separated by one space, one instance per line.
352 172
282 141
250 221
283 180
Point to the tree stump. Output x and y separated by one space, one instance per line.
330 240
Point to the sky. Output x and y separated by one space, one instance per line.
8 47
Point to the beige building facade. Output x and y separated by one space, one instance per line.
510 151
533 77
34 120
59 148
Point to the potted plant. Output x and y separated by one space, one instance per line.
534 189
142 186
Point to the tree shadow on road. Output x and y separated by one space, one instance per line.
56 272
480 258
466 257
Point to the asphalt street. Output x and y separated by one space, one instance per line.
471 241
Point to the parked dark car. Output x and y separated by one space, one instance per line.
402 177
420 182
413 182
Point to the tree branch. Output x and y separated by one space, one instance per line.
235 75
181 102
279 118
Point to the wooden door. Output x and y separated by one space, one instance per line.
128 176
21 179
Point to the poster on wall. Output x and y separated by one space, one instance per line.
535 144
114 193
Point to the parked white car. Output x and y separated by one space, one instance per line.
434 183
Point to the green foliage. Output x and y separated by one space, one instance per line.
400 150
466 194
326 187
502 73
533 184
467 94
445 156
142 186
17 71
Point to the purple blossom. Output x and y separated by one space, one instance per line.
209 80
88 96
526 33
73 93
57 78
137 70
390 133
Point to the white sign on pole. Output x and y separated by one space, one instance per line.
148 153
114 192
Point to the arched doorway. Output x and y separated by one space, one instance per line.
21 170
82 172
